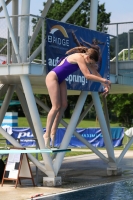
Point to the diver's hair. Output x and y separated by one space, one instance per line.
77 50
93 53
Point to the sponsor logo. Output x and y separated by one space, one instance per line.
24 134
53 62
54 39
60 28
76 78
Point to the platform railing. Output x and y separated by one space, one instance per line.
35 49
122 54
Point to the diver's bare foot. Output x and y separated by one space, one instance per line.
47 142
52 139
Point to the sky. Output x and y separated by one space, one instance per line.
121 10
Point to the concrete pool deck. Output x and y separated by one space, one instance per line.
77 172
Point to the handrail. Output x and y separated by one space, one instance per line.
122 51
23 16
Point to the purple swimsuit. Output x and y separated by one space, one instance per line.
65 70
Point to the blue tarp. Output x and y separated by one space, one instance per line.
92 135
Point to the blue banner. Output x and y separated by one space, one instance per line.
60 37
92 135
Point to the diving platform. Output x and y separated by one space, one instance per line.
22 75
10 74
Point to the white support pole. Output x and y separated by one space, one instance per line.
16 49
104 129
3 90
6 102
84 141
93 14
16 144
39 24
85 112
90 146
24 30
15 26
125 150
64 19
70 130
36 121
117 49
95 96
71 11
25 108
124 55
98 153
3 47
7 2
36 52
106 114
8 48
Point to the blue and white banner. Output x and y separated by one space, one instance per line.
60 37
92 135
10 119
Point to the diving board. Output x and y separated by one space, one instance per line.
18 166
5 151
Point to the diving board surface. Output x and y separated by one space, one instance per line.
34 151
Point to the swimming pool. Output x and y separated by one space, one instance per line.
122 190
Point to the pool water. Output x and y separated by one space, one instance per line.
122 190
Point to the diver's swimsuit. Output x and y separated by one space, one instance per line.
65 69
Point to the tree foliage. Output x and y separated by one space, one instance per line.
121 106
81 16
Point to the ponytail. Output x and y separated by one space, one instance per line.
93 53
77 50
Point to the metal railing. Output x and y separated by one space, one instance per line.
123 55
115 30
8 40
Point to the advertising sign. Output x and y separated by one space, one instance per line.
92 135
60 37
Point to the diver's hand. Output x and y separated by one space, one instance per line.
107 86
105 92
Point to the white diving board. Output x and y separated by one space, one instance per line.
5 151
